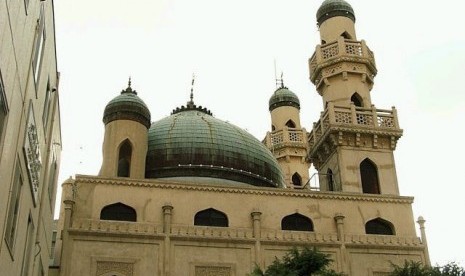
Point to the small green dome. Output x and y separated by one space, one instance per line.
193 143
283 97
127 106
332 8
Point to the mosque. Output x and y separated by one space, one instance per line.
191 194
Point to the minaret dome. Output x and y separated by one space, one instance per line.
332 8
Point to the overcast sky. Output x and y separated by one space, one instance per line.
231 47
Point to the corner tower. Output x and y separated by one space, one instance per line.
287 137
352 144
127 120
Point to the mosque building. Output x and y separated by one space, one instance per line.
191 194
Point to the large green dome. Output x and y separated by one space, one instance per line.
127 106
283 97
193 143
332 8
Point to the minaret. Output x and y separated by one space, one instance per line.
127 120
352 144
287 137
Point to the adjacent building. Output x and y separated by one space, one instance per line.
190 194
30 139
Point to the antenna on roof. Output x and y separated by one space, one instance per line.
282 80
275 75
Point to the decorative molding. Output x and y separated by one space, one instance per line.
104 267
172 185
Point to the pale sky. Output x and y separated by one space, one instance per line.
231 47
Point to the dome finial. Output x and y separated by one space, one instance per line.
191 102
129 89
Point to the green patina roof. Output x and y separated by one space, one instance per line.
127 106
283 97
332 8
191 142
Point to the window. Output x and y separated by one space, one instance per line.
211 217
273 128
379 226
369 175
290 124
3 107
39 44
51 179
27 247
297 222
296 179
330 179
118 211
13 208
47 101
124 159
357 100
346 35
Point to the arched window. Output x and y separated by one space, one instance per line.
369 175
211 217
124 159
357 100
346 35
323 42
296 179
379 226
290 124
330 179
297 222
118 211
273 128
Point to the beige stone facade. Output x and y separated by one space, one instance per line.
176 222
30 138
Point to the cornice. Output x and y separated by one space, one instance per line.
282 192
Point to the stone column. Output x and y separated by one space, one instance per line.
66 241
256 224
167 214
421 221
339 219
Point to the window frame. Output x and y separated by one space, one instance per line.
14 206
39 45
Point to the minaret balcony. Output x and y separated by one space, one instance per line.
287 137
345 126
342 55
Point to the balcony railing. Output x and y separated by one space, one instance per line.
285 136
378 119
338 48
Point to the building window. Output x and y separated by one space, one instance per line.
3 107
211 217
369 175
13 208
330 179
297 222
379 226
290 124
118 211
124 159
39 44
296 179
51 180
357 100
46 112
28 243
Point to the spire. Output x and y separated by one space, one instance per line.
129 89
191 102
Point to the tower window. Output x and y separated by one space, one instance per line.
369 175
290 124
211 217
124 159
297 222
296 179
330 180
118 211
273 128
379 226
357 100
346 35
